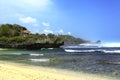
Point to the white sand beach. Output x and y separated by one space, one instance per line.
4 49
15 71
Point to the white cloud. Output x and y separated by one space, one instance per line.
34 3
69 33
61 31
26 4
47 31
46 24
33 7
28 20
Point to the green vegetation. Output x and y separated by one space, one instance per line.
8 30
71 40
17 36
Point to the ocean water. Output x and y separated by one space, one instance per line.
89 62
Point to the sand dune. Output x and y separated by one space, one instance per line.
13 71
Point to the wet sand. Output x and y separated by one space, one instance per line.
15 71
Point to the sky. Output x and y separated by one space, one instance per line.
88 19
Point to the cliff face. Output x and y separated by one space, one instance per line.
31 46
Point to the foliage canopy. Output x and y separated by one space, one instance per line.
14 34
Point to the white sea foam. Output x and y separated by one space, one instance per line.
42 48
104 51
50 48
105 44
16 53
113 51
39 60
115 62
113 44
70 50
36 54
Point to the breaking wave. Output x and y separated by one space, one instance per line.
90 51
39 60
79 50
113 51
36 54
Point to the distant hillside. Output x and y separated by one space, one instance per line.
17 36
71 40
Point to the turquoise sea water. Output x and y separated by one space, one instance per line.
95 63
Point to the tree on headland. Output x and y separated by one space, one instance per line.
9 30
17 36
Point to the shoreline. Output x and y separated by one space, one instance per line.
18 71
4 49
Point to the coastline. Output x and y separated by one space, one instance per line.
16 71
4 49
